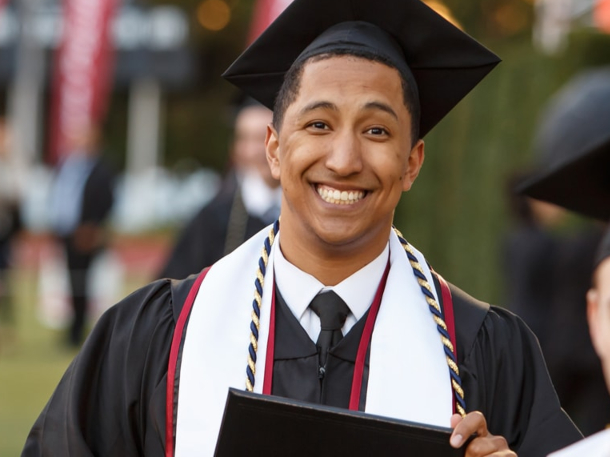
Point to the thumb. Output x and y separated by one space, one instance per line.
455 420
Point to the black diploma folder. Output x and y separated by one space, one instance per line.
263 425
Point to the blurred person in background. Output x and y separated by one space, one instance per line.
598 317
81 200
548 265
529 251
574 139
248 200
10 221
573 365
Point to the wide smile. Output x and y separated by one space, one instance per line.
338 196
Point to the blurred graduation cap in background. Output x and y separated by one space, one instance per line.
573 142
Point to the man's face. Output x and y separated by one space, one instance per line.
249 142
344 153
598 314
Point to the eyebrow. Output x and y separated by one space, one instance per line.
318 105
381 106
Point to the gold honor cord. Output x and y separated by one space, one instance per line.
259 283
440 323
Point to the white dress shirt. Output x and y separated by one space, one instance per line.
299 288
67 193
597 445
259 199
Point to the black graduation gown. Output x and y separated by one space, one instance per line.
111 401
203 240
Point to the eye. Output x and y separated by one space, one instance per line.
377 131
318 125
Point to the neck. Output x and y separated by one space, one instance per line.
327 263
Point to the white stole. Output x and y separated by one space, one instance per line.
408 374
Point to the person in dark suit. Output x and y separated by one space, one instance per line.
248 200
10 222
548 266
82 197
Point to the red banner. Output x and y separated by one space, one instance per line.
265 12
82 73
2 4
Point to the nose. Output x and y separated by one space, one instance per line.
345 157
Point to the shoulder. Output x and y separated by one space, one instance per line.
139 310
476 320
180 289
469 315
135 334
468 310
162 299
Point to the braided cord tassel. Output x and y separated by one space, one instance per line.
437 315
256 305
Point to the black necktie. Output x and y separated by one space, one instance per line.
332 311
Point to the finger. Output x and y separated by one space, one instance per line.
473 422
455 419
488 445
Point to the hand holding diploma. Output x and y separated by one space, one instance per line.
484 443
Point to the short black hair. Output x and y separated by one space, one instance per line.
292 82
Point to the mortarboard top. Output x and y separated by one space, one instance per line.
574 144
445 62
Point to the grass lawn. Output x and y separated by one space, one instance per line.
32 361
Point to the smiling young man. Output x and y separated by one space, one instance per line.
345 312
345 163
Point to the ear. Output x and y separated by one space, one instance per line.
593 318
272 147
414 164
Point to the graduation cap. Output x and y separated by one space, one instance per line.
444 62
574 144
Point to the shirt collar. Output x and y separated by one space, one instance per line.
358 290
258 198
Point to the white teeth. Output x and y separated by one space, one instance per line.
338 197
